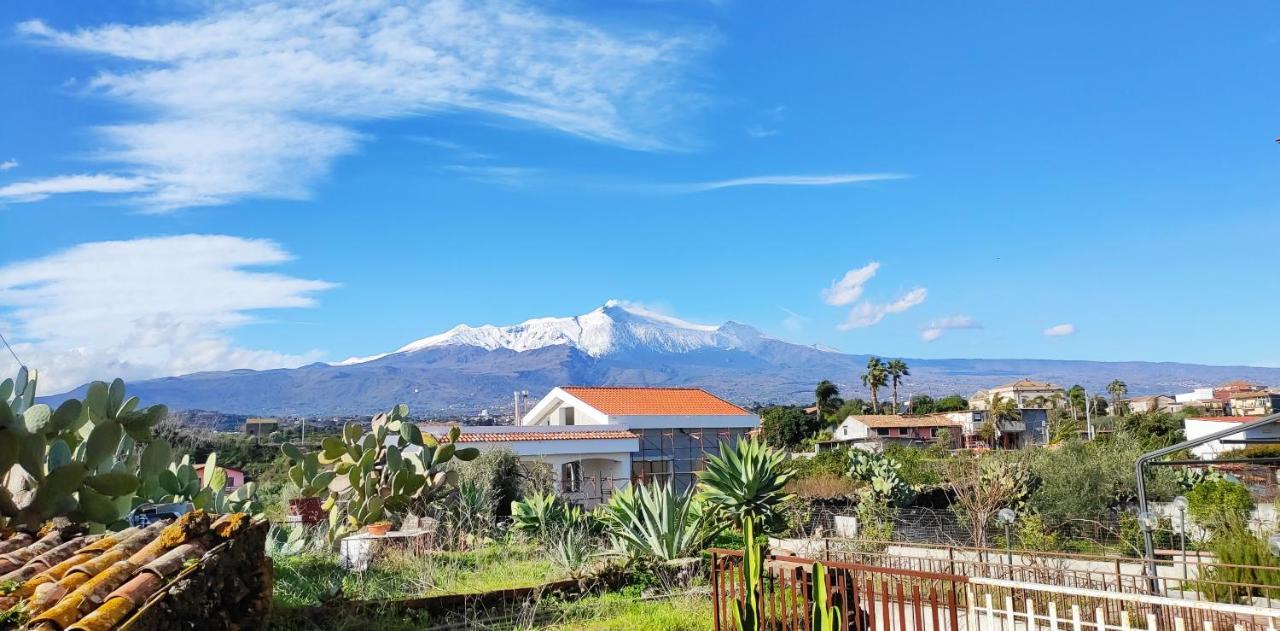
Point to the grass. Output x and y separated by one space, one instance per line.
622 611
315 578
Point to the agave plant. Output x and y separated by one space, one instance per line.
539 514
572 549
745 483
656 521
744 486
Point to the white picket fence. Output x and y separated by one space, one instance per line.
993 607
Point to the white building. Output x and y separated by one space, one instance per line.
873 431
596 439
1197 395
1199 427
1025 393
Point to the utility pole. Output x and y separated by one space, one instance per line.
1088 420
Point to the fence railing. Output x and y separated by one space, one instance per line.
1183 578
873 597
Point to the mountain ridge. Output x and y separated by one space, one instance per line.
467 369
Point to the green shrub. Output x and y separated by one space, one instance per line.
543 514
1215 503
917 467
834 462
1235 545
1252 451
655 521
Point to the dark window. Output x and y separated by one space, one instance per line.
882 431
568 416
571 477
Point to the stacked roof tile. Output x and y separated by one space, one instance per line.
62 579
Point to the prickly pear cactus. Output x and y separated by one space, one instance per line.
95 460
383 474
81 460
881 475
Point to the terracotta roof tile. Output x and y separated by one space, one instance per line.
898 420
72 580
495 437
645 401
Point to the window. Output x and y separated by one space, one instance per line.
571 477
882 431
568 416
650 470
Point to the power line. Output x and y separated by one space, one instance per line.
11 352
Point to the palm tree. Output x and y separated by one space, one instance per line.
897 369
1117 389
876 377
825 396
999 409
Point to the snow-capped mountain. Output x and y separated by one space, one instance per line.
467 369
616 326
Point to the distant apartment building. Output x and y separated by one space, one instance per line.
1151 403
1025 393
597 437
873 431
1031 427
260 426
1257 403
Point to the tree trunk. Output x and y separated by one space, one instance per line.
895 398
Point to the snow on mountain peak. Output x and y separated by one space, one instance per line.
617 325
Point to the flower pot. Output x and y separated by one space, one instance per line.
378 530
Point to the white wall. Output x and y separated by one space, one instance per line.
1199 394
1197 428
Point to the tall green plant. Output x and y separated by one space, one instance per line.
387 473
540 514
881 473
825 614
656 521
744 486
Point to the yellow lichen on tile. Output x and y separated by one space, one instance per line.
229 525
105 617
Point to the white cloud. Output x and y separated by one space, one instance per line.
937 327
507 176
1059 330
8 164
793 321
848 289
760 131
866 313
261 100
146 307
35 190
785 180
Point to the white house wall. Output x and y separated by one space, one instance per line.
550 411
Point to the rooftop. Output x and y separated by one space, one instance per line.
521 433
902 420
649 401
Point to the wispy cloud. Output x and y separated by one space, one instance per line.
8 164
462 151
848 289
950 323
36 190
505 176
1059 330
146 307
785 180
865 313
768 125
793 321
259 101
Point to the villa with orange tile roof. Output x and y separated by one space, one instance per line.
590 434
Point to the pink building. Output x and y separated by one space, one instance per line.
235 477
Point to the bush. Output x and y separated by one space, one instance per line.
1214 503
497 474
834 462
1252 451
787 427
917 467
1236 546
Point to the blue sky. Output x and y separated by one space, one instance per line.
193 186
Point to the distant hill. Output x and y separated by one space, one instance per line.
467 369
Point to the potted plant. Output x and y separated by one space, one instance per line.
379 528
